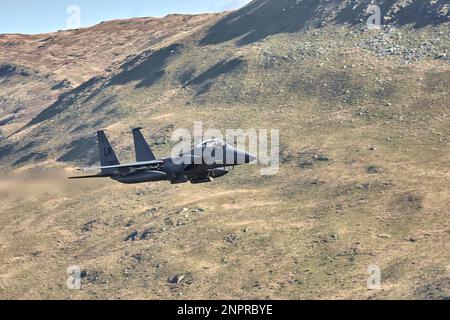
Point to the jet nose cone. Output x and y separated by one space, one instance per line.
249 158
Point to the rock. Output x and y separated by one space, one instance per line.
198 210
177 279
132 237
36 254
412 200
138 257
308 157
180 223
127 272
87 227
140 193
146 234
231 238
92 277
62 85
168 221
152 211
321 158
374 170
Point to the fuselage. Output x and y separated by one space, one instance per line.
207 160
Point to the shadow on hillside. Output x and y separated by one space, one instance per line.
262 18
104 104
64 101
147 68
436 290
6 150
8 70
83 151
36 156
418 13
203 81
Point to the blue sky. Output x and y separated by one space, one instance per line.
38 16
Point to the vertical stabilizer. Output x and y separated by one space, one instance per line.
107 155
141 147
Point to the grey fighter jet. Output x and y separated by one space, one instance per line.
207 160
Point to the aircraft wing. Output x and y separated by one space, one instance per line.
137 165
89 177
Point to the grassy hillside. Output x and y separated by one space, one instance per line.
364 176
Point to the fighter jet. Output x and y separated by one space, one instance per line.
206 161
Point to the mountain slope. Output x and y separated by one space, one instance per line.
364 132
42 67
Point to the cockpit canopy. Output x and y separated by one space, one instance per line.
213 143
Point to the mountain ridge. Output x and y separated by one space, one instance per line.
250 23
